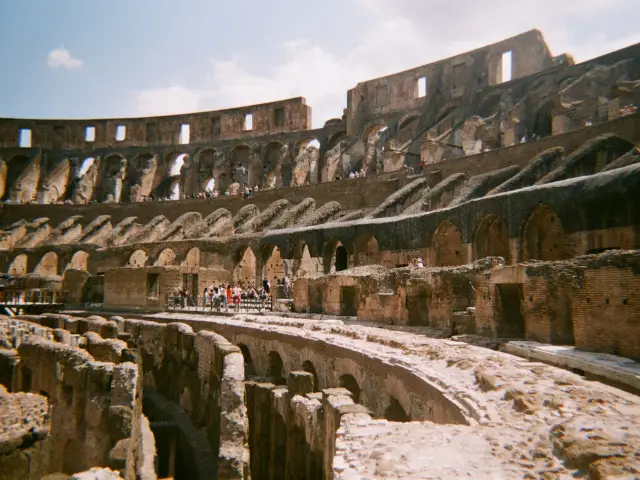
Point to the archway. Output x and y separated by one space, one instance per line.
305 165
15 168
48 265
543 122
215 174
192 258
308 367
274 267
273 165
114 171
335 257
303 263
447 245
349 382
249 369
19 265
366 251
79 261
492 239
543 236
240 160
275 369
395 412
139 178
137 259
245 266
165 258
374 137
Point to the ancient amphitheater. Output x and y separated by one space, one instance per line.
508 353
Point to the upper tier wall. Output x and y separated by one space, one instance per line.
267 118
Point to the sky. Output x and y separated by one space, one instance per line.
123 58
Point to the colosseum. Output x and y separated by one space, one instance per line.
446 277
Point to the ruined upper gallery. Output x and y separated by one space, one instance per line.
481 100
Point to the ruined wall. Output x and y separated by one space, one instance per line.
94 404
203 374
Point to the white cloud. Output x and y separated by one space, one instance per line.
62 58
398 35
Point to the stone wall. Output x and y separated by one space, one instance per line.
94 393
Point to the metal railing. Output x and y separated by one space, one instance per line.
219 304
31 297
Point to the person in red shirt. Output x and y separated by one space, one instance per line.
229 297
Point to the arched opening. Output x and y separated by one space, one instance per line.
342 258
192 258
492 238
48 265
335 257
395 412
176 188
240 160
447 245
139 179
245 267
79 261
115 169
15 169
249 369
542 124
349 382
85 166
303 263
308 367
137 259
275 371
210 186
215 174
373 159
82 181
366 251
305 164
274 267
543 236
273 165
166 258
18 266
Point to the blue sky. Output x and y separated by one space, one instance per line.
111 58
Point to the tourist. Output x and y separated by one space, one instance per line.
267 286
229 293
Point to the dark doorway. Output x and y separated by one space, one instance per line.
315 298
418 308
510 320
348 301
190 286
342 256
542 125
347 381
395 412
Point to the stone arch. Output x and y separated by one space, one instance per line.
137 259
192 259
245 265
303 263
272 161
306 162
139 178
492 238
543 121
447 245
395 412
240 162
308 367
165 258
19 265
335 257
213 166
48 265
374 138
114 169
366 251
11 173
334 139
543 236
249 368
350 383
275 370
79 261
274 267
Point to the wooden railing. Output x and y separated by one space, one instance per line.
31 297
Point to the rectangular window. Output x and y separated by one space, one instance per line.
185 133
90 134
422 87
280 117
507 58
25 138
248 122
121 133
153 285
